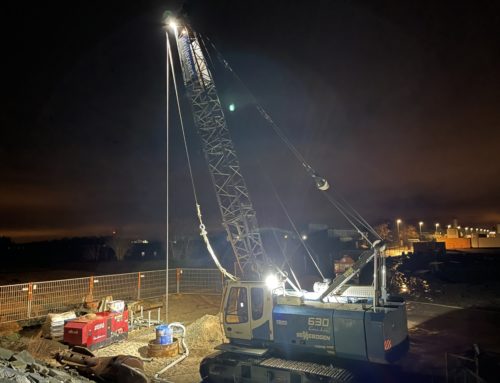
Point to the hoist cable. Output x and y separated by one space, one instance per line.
167 210
203 231
259 107
285 257
181 119
356 214
283 207
346 216
343 206
206 50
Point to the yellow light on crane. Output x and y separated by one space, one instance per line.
173 24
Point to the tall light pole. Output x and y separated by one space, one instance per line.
437 225
398 222
420 224
167 154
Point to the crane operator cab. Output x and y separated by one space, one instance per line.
248 312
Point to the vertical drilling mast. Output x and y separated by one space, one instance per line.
238 215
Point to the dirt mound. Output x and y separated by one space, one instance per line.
205 332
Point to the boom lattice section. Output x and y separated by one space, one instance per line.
238 214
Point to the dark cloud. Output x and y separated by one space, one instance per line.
394 103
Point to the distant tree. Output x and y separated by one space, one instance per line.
5 245
94 249
410 232
385 232
120 245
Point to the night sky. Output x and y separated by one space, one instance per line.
396 103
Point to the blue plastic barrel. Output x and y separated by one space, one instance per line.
163 334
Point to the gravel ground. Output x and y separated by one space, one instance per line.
197 312
201 337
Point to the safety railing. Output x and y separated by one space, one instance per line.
462 369
37 299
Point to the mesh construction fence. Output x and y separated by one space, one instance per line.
37 299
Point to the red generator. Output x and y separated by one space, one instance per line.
93 333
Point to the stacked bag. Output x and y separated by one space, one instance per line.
53 328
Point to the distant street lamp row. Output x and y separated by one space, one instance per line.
437 225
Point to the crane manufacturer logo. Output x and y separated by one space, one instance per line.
306 335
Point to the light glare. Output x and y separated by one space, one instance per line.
272 281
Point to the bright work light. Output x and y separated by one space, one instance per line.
272 281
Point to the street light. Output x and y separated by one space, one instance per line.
398 222
437 225
420 224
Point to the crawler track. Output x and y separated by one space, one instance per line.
226 367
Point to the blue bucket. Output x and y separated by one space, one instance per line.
163 334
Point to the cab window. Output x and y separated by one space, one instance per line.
237 306
257 295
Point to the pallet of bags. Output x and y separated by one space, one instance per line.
53 328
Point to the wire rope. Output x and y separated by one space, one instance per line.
203 231
286 258
283 207
168 171
342 206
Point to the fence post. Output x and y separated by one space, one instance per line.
139 285
178 273
91 288
30 298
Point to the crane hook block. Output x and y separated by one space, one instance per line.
321 183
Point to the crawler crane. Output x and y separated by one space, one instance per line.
278 334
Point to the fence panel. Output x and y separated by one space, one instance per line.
57 296
153 283
119 286
194 281
14 302
462 369
37 299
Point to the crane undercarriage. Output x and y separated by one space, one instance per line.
225 367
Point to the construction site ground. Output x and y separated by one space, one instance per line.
434 330
199 313
449 309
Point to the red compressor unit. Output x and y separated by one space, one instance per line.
97 332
